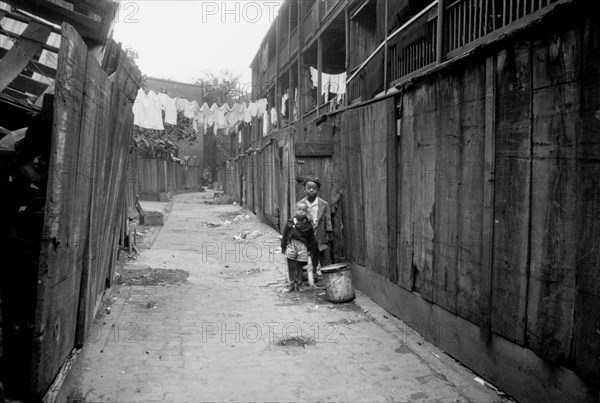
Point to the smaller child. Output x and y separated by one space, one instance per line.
297 242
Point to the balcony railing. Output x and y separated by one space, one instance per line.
284 53
327 6
294 42
470 20
311 22
412 48
272 70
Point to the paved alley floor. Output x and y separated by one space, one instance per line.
228 333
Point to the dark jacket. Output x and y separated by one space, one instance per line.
324 221
302 232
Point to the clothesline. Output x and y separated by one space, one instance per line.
148 108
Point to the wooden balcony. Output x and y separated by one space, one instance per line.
470 22
413 48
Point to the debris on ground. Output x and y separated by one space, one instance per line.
221 199
151 276
254 234
296 341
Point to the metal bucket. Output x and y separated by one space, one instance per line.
337 279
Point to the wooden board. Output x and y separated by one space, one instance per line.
512 193
586 343
425 126
18 57
352 179
471 190
59 275
374 127
94 131
447 164
555 200
314 149
406 189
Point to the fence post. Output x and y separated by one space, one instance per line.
440 33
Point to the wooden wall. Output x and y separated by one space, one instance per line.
492 193
86 191
471 204
156 176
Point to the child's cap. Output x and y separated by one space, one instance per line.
312 179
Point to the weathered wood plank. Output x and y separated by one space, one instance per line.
29 85
447 165
512 193
353 222
95 114
314 149
406 189
471 190
425 125
18 57
374 128
59 275
391 146
489 177
555 200
586 343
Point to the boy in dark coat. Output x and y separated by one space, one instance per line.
297 244
321 220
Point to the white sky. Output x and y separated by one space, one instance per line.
181 39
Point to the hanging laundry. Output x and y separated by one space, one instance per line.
147 112
168 105
247 113
189 110
219 115
205 112
266 118
180 104
273 117
284 107
262 106
253 108
296 104
235 114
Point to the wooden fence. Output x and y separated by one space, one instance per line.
158 176
92 122
480 196
471 204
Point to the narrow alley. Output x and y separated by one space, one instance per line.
228 333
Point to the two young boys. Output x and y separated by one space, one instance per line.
308 233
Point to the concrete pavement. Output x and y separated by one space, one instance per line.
228 333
